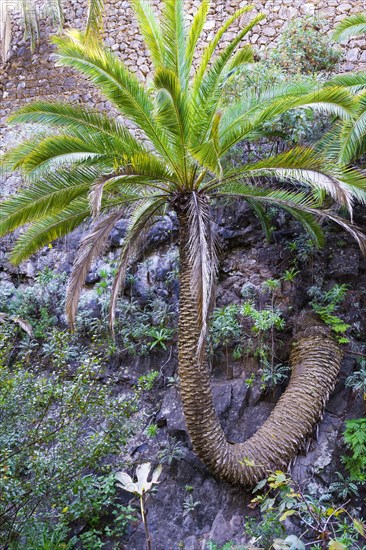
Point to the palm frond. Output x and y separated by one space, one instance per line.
174 39
150 30
211 47
329 145
116 82
305 166
300 205
90 247
254 102
122 186
39 156
46 196
203 261
353 230
354 81
76 118
150 166
243 56
94 21
206 97
336 101
353 136
172 113
140 220
48 229
195 31
353 25
262 216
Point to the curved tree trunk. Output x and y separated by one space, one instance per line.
315 361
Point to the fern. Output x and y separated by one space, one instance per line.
355 439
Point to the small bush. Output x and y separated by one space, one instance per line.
305 48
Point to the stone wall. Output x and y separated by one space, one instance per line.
27 76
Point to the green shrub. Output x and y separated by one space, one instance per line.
54 432
304 47
280 497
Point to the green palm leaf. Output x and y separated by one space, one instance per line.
211 47
150 29
353 25
51 152
174 39
172 112
195 31
206 96
44 197
116 82
76 118
333 100
94 22
142 217
354 81
48 229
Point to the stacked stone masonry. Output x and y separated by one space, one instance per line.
27 76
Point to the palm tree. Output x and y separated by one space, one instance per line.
93 169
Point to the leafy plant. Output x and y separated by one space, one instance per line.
272 376
264 319
355 439
342 489
262 533
304 248
225 330
55 431
173 450
160 337
285 498
152 430
265 322
290 274
146 381
357 380
189 504
325 304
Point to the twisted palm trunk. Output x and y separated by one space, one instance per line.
315 361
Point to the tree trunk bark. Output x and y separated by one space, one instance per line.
315 362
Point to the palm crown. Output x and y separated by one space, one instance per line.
93 164
93 167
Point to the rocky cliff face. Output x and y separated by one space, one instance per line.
246 262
